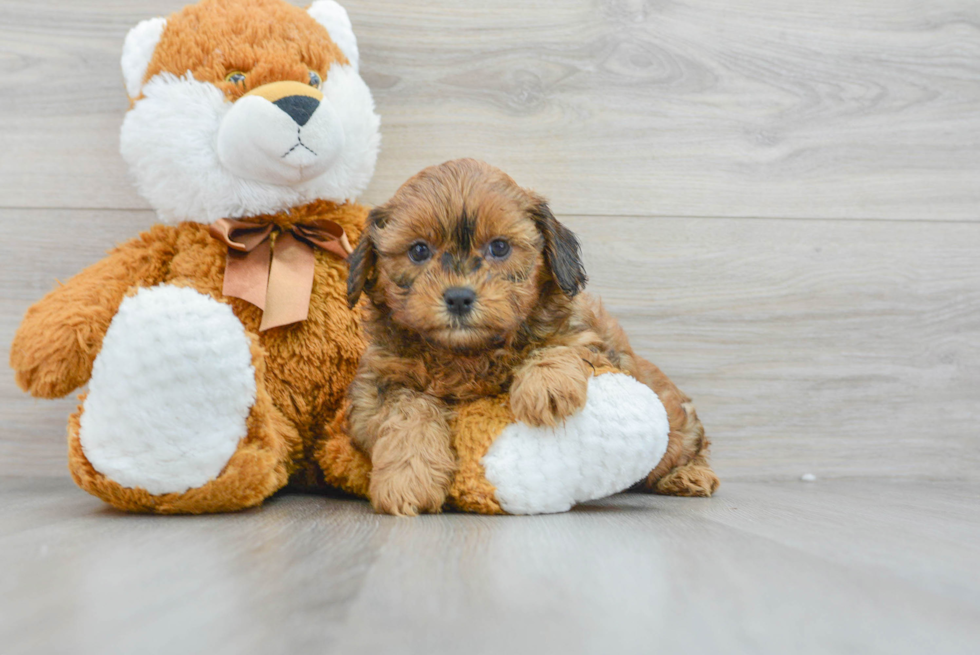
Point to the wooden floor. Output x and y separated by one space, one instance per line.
826 567
781 201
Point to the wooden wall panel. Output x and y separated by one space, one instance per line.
856 109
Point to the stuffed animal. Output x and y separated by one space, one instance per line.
218 346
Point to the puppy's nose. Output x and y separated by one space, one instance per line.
299 108
459 300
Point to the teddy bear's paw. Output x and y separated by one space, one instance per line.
616 440
170 392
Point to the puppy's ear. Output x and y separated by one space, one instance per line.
362 262
561 250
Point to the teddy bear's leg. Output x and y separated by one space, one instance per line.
613 442
344 465
177 419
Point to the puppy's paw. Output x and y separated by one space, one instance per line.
550 389
694 479
405 492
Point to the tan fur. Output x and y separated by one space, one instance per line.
474 427
270 40
305 368
530 335
412 461
550 385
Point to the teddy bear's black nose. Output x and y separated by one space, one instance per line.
299 108
459 300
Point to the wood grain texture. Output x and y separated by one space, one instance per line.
830 567
846 109
841 348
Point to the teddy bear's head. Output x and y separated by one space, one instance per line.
247 107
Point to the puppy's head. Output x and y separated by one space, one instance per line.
462 255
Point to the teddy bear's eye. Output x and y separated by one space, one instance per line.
236 77
315 79
419 252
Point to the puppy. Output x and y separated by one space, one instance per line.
473 290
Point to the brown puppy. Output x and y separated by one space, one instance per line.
473 289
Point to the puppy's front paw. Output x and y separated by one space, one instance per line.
403 492
550 390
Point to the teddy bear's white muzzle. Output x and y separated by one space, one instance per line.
286 143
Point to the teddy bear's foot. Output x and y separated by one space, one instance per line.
619 436
175 406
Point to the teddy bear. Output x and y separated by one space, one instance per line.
218 346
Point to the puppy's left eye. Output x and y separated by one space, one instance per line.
499 249
315 79
419 252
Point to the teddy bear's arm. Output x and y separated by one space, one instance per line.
56 344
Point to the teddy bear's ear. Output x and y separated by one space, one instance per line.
138 51
334 17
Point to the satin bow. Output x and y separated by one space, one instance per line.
272 266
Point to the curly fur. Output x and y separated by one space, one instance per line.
530 333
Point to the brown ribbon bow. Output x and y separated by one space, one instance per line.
278 279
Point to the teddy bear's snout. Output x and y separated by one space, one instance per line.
282 133
299 108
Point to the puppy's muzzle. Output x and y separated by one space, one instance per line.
459 300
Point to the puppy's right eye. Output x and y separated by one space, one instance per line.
419 252
499 249
236 77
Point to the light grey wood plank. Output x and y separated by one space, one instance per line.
762 568
841 348
858 109
84 578
637 574
895 532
